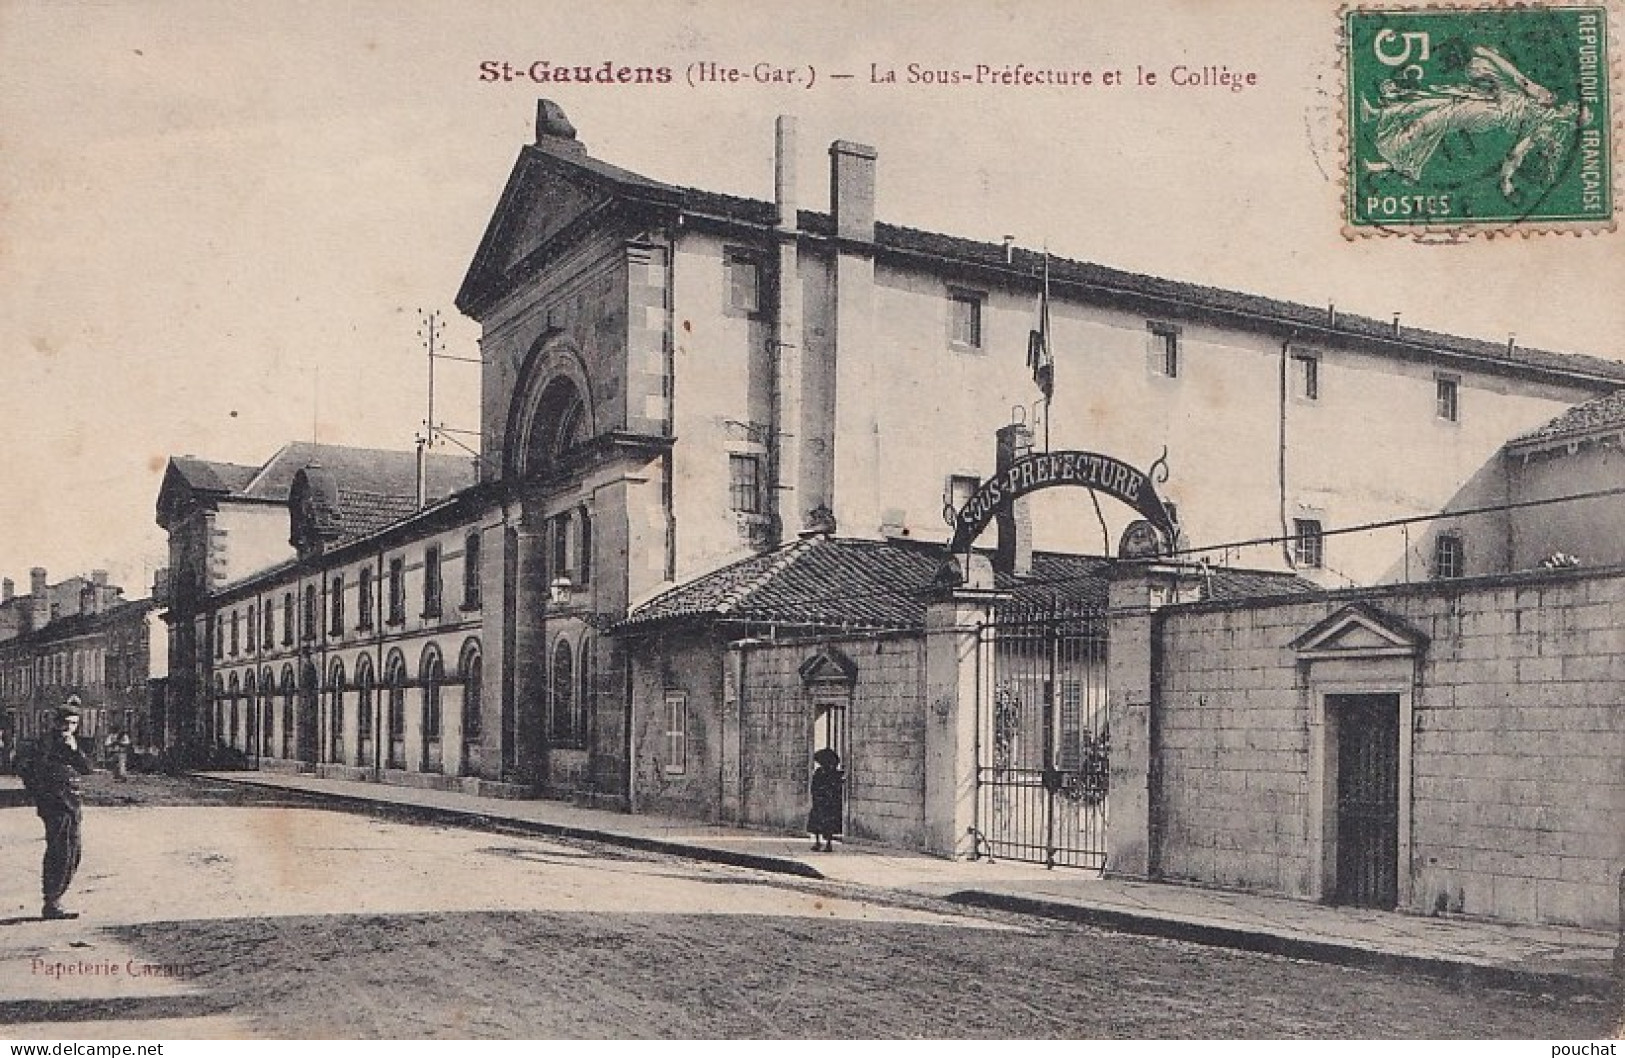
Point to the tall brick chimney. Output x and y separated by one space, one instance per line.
8 589
852 190
39 605
855 453
1014 553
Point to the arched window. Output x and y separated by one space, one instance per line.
363 704
434 676
335 713
395 677
251 700
289 694
473 669
563 696
267 711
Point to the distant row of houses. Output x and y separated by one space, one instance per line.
723 444
81 637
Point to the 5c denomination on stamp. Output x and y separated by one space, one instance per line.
1478 119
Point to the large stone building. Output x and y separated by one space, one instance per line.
718 437
80 637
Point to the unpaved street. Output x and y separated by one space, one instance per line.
211 914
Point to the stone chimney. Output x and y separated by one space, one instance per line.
1014 554
160 585
8 590
852 190
553 129
98 577
37 609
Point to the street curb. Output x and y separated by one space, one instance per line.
1567 985
509 824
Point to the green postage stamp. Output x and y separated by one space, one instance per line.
1478 118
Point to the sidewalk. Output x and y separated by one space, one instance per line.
1551 959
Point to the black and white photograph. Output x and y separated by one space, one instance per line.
819 521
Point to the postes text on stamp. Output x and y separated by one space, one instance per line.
1463 119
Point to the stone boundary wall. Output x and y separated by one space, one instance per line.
1517 745
885 762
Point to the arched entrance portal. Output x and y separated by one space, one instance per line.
1043 734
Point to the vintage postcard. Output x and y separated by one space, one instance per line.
825 520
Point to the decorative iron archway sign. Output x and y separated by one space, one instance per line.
1046 470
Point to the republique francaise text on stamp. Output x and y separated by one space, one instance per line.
1483 118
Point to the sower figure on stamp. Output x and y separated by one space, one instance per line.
825 819
56 798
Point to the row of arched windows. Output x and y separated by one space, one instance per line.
299 699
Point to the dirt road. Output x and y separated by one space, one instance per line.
216 915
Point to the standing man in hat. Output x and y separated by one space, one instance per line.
56 798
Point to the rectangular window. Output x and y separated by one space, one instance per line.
270 625
559 537
287 618
363 599
397 591
253 627
1308 543
676 762
744 284
1164 357
1306 376
583 546
431 581
965 319
308 628
235 634
1449 558
471 572
219 636
335 606
1447 399
744 484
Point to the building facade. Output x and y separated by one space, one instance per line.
112 656
688 397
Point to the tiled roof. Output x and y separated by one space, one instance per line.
1604 413
208 476
375 470
1086 280
834 582
363 513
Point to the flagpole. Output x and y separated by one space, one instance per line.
1044 325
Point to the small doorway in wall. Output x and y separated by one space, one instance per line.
1367 799
830 732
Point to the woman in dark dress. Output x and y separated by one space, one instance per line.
824 821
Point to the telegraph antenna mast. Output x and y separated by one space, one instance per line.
431 333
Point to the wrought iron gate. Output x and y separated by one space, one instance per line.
1043 744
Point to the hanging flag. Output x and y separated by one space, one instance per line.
1039 359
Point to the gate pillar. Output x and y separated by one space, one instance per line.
1137 590
954 622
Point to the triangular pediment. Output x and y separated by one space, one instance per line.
555 194
1360 631
828 666
549 208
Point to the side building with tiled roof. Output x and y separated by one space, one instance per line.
231 524
1554 498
